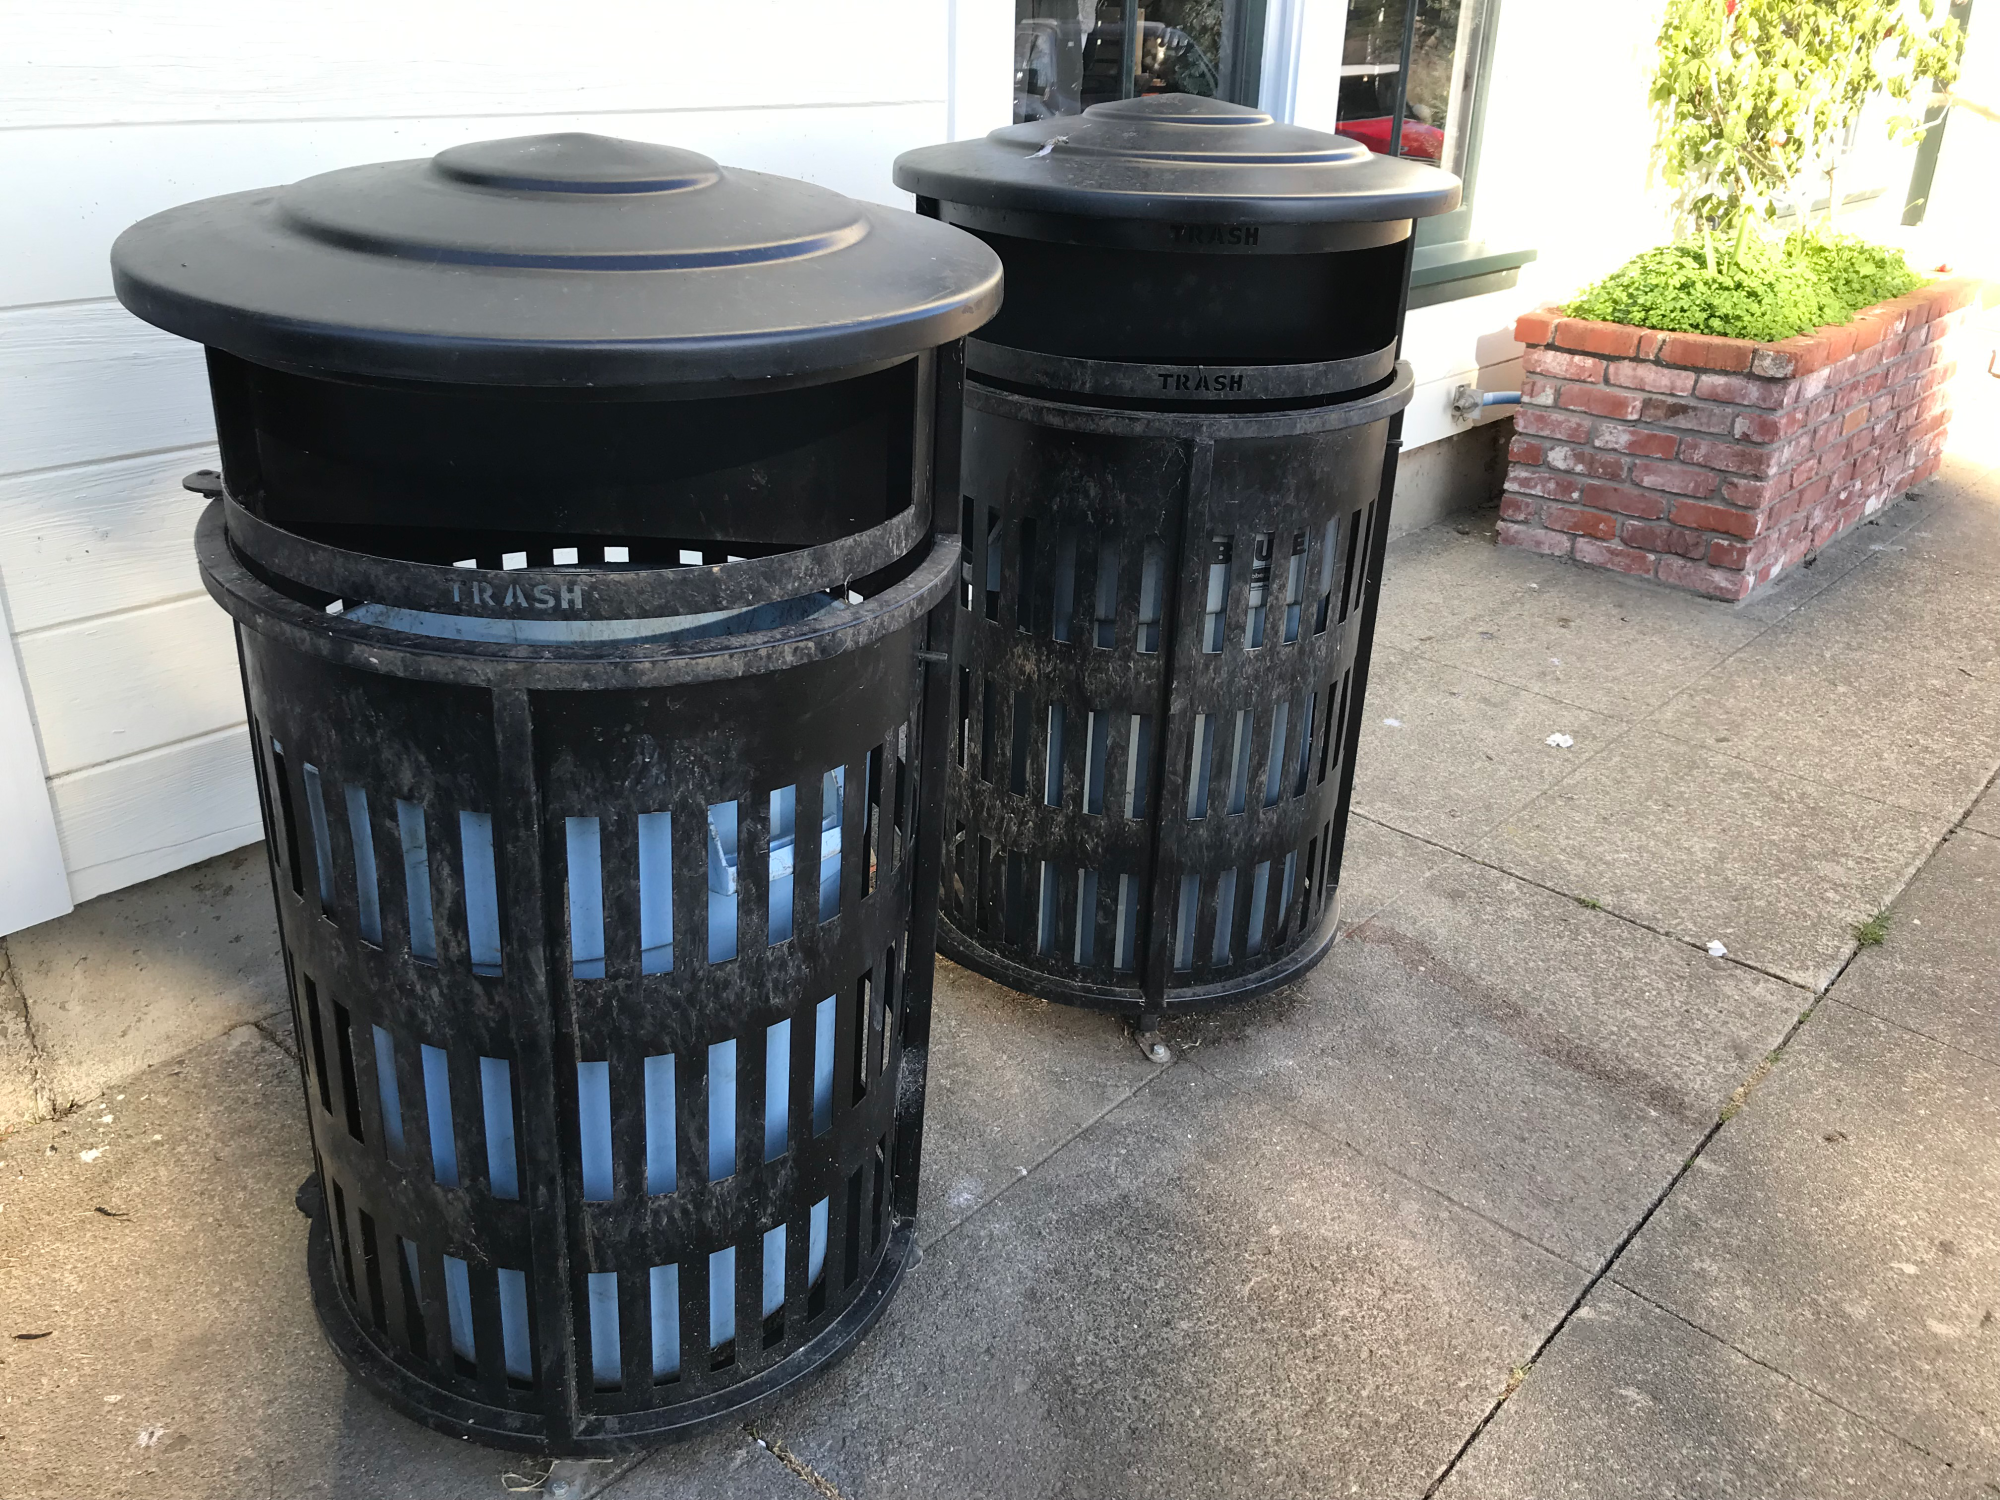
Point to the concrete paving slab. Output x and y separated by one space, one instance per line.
1464 751
1011 1079
182 1355
1844 1229
139 976
725 1466
1888 686
1938 969
1630 1401
20 1098
1597 640
1197 1297
1985 814
1438 584
1710 847
1544 1064
1376 865
1831 565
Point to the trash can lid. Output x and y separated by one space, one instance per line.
1177 157
555 260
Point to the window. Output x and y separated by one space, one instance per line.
1071 54
1422 62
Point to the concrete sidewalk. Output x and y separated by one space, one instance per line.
1521 1193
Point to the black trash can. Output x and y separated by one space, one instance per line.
1179 450
575 516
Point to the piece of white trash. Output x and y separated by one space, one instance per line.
149 1437
1716 950
91 1155
1049 146
1393 723
1560 741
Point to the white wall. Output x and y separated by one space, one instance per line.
110 111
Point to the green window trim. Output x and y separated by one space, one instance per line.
1463 268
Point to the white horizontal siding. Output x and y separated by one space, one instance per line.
126 694
142 816
32 888
58 239
123 683
88 62
87 381
99 538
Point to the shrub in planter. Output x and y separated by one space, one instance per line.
1751 290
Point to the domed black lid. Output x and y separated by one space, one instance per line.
555 260
1177 157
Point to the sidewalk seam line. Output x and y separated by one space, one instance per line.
1624 1243
1051 1153
1908 1030
1235 1086
1782 1374
1529 880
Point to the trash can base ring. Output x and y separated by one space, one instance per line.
969 953
455 1416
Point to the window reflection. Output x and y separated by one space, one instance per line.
1070 54
1435 99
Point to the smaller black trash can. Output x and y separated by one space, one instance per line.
576 520
1179 453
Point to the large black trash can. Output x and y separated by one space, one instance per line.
575 516
1179 449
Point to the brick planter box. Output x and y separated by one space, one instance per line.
1714 464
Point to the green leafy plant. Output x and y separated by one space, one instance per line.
1750 95
1752 289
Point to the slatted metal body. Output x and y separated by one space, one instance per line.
1161 648
488 1015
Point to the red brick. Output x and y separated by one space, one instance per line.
1611 555
1541 482
1718 518
1534 539
1516 508
1752 491
1869 330
1585 461
1656 536
1538 392
1524 451
1770 427
1676 479
1535 327
1706 352
1636 440
1627 502
1549 424
1839 342
1656 378
1698 415
1732 457
1749 390
1590 337
1799 355
1563 366
1715 582
1595 399
1585 522
1853 420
